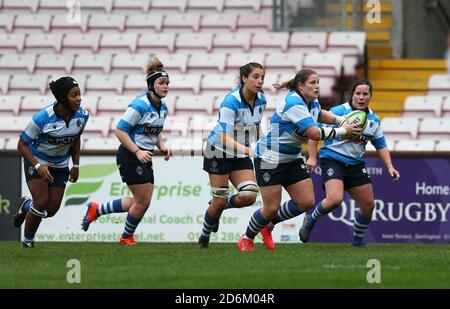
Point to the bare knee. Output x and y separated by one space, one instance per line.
142 203
335 199
367 208
40 203
247 200
51 213
305 205
218 203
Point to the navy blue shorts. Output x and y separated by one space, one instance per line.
285 174
215 162
60 175
131 170
351 175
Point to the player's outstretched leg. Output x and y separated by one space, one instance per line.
287 210
255 225
95 210
25 204
208 226
360 226
310 221
127 237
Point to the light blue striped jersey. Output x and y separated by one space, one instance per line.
238 120
49 137
143 121
286 135
352 151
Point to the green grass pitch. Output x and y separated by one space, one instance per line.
182 265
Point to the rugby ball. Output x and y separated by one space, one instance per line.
357 118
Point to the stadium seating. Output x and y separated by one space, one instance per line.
415 145
54 63
93 63
439 85
223 42
306 42
115 41
9 105
434 129
446 107
218 22
161 42
32 104
11 143
202 44
7 22
129 63
400 128
16 41
61 24
143 5
209 63
195 104
443 145
144 22
174 62
17 63
165 5
423 106
39 43
79 42
113 105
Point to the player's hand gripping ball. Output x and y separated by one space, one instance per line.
358 119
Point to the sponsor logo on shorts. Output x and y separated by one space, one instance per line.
30 170
364 170
330 172
266 177
139 170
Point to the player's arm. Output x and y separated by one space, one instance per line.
161 146
75 154
227 119
385 156
28 136
130 119
330 118
312 154
300 116
230 142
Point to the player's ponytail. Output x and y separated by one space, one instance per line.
301 77
154 65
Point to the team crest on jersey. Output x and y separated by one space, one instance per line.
30 170
330 172
139 170
266 177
